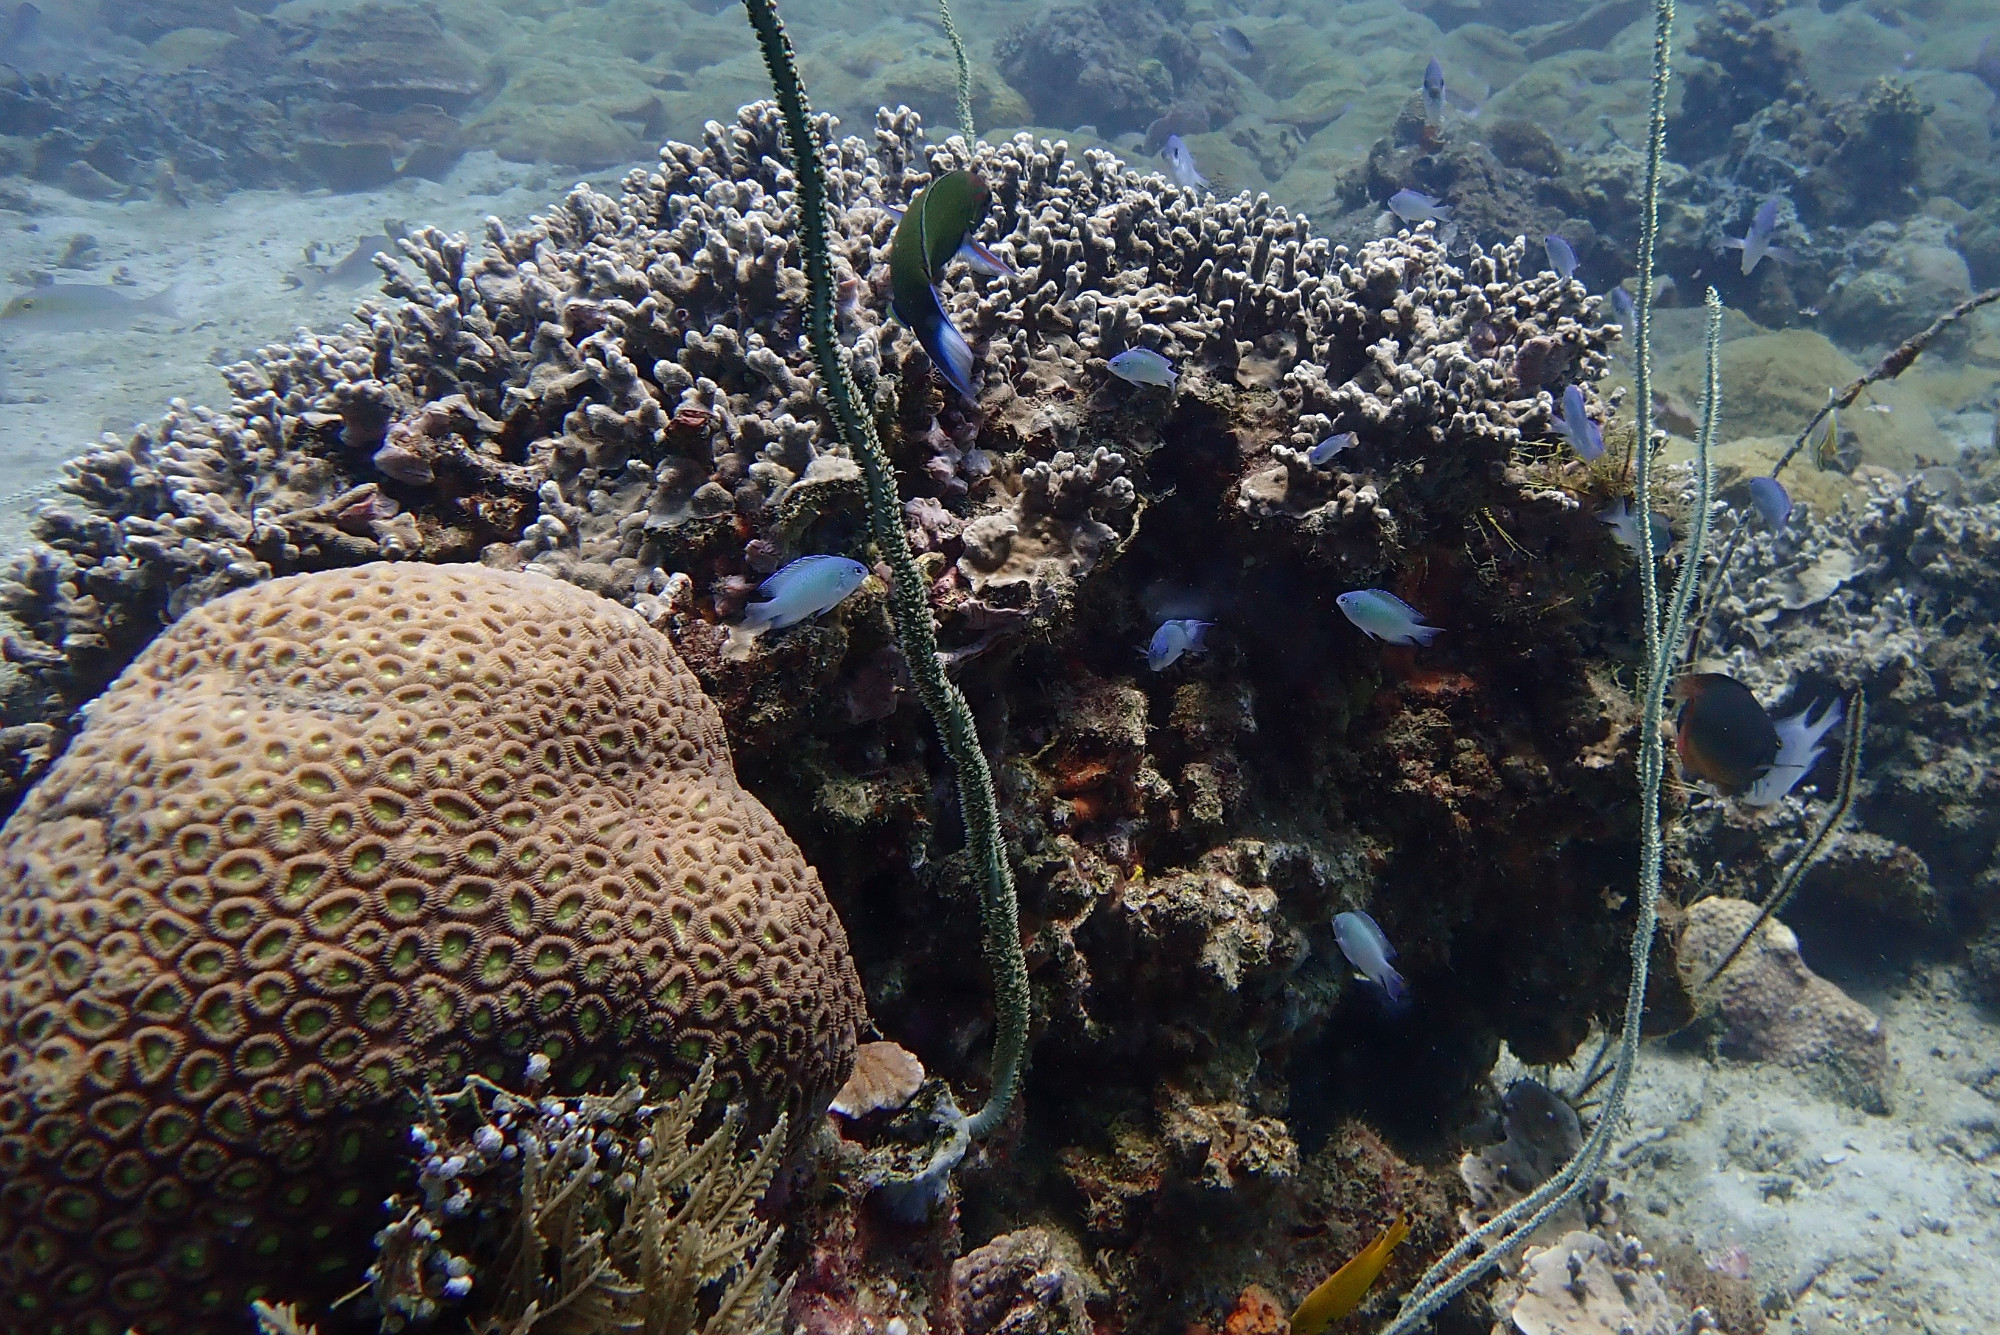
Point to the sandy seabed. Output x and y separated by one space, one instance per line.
1852 1222
226 263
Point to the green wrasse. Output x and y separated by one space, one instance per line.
937 223
1342 1291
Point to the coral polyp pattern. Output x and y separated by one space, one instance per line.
338 836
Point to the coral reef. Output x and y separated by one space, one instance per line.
1115 64
1771 1007
347 98
617 395
1022 1283
599 1203
1895 594
1586 1284
335 837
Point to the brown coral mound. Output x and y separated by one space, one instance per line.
338 835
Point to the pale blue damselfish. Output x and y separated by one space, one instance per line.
1383 616
1143 366
804 589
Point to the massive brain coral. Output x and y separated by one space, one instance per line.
338 835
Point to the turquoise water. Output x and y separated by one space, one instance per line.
1226 1097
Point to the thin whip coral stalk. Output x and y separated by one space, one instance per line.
964 74
1479 1251
909 592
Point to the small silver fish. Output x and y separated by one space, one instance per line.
1624 307
1381 615
1180 164
1143 366
1434 93
1581 432
62 308
1322 454
804 589
1413 207
1756 243
1768 495
1369 951
1174 638
1561 258
1448 236
1231 39
1624 522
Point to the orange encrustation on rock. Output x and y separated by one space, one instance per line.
331 838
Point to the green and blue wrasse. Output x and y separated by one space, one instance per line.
940 218
1343 1290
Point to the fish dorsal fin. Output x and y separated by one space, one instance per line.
1414 615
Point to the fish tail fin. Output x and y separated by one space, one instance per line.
167 301
951 353
1425 634
1395 992
758 618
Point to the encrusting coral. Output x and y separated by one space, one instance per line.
338 836
1771 1006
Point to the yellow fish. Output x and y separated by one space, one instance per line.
1342 1291
1825 441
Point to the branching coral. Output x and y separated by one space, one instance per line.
609 1214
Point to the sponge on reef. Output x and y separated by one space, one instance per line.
340 835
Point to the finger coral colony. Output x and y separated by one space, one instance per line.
390 938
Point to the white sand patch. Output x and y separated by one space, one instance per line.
1852 1222
227 262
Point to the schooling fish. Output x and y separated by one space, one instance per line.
939 219
1369 951
1624 522
1342 1291
1756 243
1561 258
1768 495
61 308
1231 39
1578 429
1143 366
805 588
1180 164
1383 616
1433 93
1414 207
1322 454
1174 638
1798 751
1723 734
